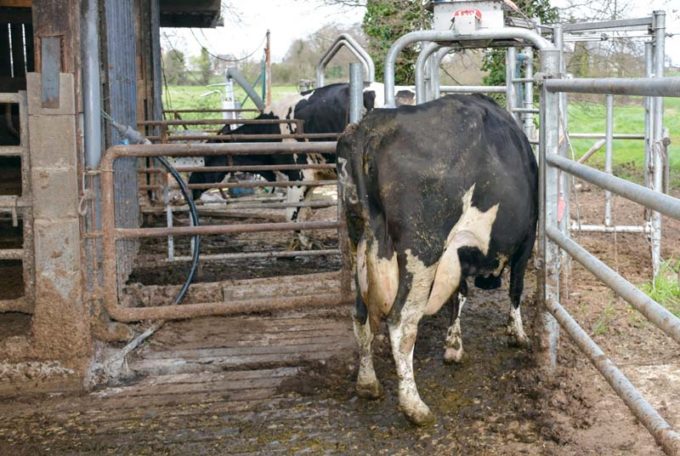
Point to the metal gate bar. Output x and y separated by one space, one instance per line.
662 431
655 200
655 312
110 234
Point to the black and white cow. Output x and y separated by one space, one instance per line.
434 194
246 160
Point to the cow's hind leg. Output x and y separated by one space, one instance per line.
518 265
414 288
368 385
454 338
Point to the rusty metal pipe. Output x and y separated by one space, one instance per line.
210 210
210 149
245 137
236 169
257 184
183 111
163 260
130 233
156 123
110 234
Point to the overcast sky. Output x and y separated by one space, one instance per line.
245 27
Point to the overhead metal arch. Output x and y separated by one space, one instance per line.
346 40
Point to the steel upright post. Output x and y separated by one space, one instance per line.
659 28
510 89
548 202
649 101
609 134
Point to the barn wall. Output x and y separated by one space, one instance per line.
119 60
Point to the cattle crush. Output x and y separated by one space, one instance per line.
258 355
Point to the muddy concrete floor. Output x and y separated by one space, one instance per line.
498 401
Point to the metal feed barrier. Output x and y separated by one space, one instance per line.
553 186
111 234
159 183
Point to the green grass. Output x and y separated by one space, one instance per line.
665 289
201 97
628 155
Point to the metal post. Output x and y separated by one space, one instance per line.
436 88
434 76
529 93
609 132
649 101
510 89
422 92
268 72
356 90
563 216
548 201
92 104
659 28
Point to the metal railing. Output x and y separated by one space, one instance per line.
111 234
20 207
553 238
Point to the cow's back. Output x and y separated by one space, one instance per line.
412 167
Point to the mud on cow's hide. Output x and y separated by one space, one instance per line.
434 194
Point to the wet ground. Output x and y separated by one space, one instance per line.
284 383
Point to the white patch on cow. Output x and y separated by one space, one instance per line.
454 337
379 89
367 382
294 195
403 337
348 188
378 277
473 229
516 328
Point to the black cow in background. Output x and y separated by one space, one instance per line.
246 160
433 194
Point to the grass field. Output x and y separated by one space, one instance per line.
584 117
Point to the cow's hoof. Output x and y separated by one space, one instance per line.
420 415
453 355
519 341
370 390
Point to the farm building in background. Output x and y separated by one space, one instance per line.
50 316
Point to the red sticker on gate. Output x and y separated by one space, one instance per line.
469 12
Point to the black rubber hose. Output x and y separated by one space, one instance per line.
194 218
136 137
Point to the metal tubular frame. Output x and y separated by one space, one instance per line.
553 238
20 206
355 48
110 234
448 37
654 140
